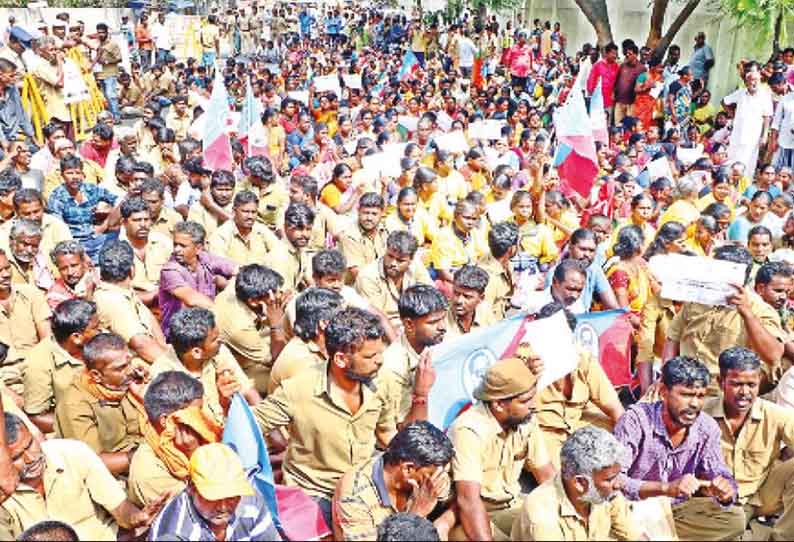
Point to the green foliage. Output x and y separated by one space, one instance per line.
759 17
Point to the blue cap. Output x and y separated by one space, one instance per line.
21 35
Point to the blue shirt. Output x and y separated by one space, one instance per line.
595 281
697 63
750 191
79 216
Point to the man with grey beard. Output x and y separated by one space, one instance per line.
583 501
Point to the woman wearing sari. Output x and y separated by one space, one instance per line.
703 240
641 214
645 102
629 275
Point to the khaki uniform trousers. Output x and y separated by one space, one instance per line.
700 518
501 522
776 495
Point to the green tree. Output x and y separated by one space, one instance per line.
764 19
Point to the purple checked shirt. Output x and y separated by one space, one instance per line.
652 458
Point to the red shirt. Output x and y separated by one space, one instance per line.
520 60
608 72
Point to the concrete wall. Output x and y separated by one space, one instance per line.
28 18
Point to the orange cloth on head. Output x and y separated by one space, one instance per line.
163 443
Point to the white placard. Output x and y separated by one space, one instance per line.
352 80
300 96
382 164
689 156
656 90
409 123
444 121
659 168
275 69
487 129
697 279
74 87
553 341
327 83
452 142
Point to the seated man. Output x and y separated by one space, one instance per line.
567 285
494 441
335 413
366 242
199 352
583 502
221 192
100 408
746 321
575 399
383 281
295 265
754 431
674 451
423 311
76 277
152 250
457 244
49 529
219 503
303 189
64 480
24 322
314 309
242 239
193 276
176 424
249 319
261 180
410 476
164 218
53 363
503 245
468 310
28 262
119 308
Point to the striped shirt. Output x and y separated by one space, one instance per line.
179 518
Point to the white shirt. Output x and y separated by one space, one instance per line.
784 121
466 52
748 122
162 36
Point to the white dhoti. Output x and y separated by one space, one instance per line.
747 154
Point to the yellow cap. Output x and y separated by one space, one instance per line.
217 473
505 379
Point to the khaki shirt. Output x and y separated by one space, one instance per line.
120 311
147 270
258 247
751 454
199 213
180 125
79 490
105 426
294 265
46 76
149 477
325 224
704 332
246 335
380 291
492 457
360 249
401 359
362 502
273 201
50 371
548 514
53 231
296 357
326 439
483 317
223 358
500 286
166 222
18 327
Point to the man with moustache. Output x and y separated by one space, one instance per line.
28 263
494 441
423 311
242 239
674 451
294 264
99 408
63 479
76 278
753 431
583 502
365 243
468 310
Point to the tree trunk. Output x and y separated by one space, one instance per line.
679 21
597 15
657 20
778 29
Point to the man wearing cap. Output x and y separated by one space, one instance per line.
218 503
14 121
494 440
18 48
48 72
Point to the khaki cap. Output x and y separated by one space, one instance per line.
506 378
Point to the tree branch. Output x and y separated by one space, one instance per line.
657 20
679 21
598 16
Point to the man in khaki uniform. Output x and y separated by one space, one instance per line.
503 244
28 263
747 321
273 198
164 219
303 189
583 502
221 194
423 311
242 239
494 441
244 315
366 242
336 413
179 118
754 431
152 250
295 265
100 407
54 362
383 281
24 322
468 310
119 308
48 72
66 481
314 309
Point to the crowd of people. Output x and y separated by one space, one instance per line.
142 291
